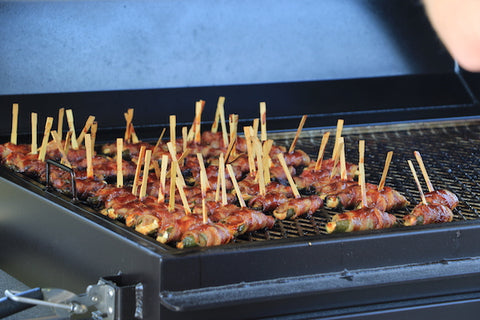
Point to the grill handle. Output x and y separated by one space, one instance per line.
9 307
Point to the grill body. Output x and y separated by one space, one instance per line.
414 99
293 269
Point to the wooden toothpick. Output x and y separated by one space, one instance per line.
85 129
13 136
61 113
361 164
34 148
138 169
424 171
88 149
321 151
46 135
146 169
289 176
297 135
220 105
163 179
71 126
263 121
119 163
236 186
385 171
58 143
417 182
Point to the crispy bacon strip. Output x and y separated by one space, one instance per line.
296 207
206 235
361 219
386 200
246 220
347 198
268 202
427 214
175 228
442 196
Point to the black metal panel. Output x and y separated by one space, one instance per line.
358 101
57 46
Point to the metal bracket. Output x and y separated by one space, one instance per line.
63 167
114 299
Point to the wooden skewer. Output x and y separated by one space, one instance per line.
343 165
146 168
224 126
235 185
85 129
297 135
361 164
186 207
128 129
267 161
58 143
173 138
260 168
251 157
61 113
203 171
174 157
220 105
424 171
199 105
417 182
68 139
88 149
156 168
134 134
13 136
93 133
119 163
71 125
173 180
46 135
263 121
289 176
163 179
185 137
338 134
321 151
230 149
138 169
203 186
34 149
335 157
255 125
385 171
223 179
159 141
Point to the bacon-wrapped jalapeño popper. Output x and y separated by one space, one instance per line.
206 235
296 207
268 202
427 214
361 219
245 220
442 196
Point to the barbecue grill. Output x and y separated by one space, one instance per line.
294 270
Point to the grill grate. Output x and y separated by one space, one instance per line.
450 151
